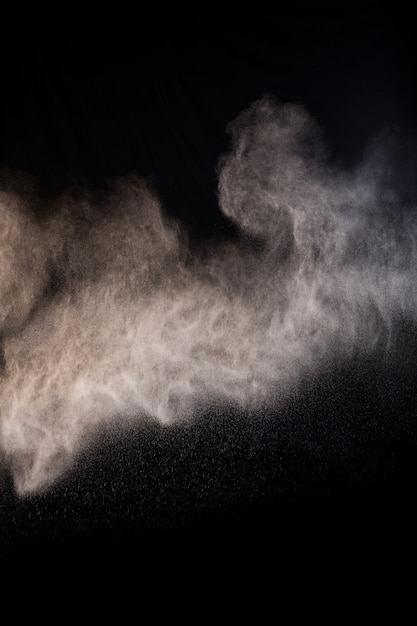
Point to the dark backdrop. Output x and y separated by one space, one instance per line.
87 99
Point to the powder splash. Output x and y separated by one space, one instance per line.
107 313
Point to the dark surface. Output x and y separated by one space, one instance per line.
152 94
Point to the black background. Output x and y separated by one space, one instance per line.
86 99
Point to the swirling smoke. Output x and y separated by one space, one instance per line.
109 314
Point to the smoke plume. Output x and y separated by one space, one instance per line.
107 313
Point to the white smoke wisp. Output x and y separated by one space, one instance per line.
108 315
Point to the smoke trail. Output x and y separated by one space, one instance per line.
107 313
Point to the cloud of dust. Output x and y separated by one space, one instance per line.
107 313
